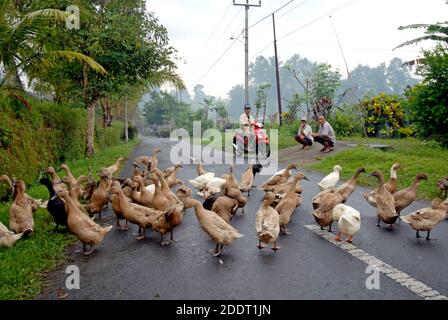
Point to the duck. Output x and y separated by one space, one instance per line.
201 181
213 186
390 186
225 207
145 196
34 203
110 171
142 216
235 194
81 225
8 238
280 177
174 212
214 226
183 193
99 197
55 179
171 178
154 161
330 180
74 186
70 178
385 202
349 221
136 170
170 170
55 206
346 189
288 204
405 197
323 214
267 223
442 185
20 213
247 180
200 169
89 187
427 219
284 187
171 197
232 182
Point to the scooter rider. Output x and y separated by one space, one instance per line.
246 121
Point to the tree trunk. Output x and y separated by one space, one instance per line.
107 112
90 133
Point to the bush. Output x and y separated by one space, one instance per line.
385 117
48 134
132 133
428 102
346 123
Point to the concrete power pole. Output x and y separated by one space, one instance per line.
277 74
246 47
126 135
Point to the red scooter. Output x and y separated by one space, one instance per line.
257 143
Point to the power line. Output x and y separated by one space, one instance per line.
292 9
340 47
319 18
219 59
200 58
269 15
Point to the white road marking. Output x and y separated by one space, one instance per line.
419 288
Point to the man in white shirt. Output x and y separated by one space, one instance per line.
246 126
325 136
305 134
246 119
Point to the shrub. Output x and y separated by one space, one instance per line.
428 102
385 117
346 123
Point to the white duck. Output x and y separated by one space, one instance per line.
7 237
202 181
349 221
331 180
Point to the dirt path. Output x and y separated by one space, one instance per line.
310 156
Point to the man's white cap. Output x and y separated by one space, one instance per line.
304 119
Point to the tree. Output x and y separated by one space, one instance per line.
220 108
320 85
295 105
128 41
436 32
261 100
21 48
428 101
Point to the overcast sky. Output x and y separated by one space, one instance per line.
368 29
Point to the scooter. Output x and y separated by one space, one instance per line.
242 144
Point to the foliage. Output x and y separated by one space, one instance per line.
346 122
436 32
261 99
46 135
414 156
428 102
385 117
23 267
320 86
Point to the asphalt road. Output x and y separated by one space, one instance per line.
307 266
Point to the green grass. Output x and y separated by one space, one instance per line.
415 157
23 267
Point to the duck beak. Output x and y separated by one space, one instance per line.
306 178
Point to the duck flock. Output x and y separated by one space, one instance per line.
156 199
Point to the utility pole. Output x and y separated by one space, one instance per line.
126 120
277 74
246 46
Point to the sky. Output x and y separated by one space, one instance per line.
201 31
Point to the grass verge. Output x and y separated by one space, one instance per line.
23 267
415 157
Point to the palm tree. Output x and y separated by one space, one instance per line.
436 32
19 50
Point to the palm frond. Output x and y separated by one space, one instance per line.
417 40
71 56
164 76
58 15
